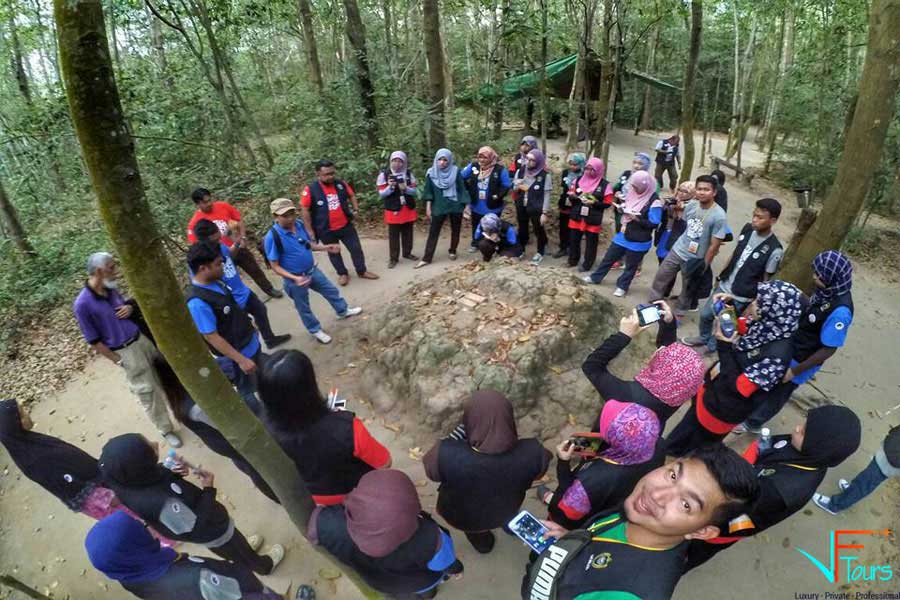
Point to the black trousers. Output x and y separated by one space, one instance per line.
522 221
483 541
238 551
690 434
539 232
591 241
771 404
434 233
346 235
246 261
614 254
257 310
476 219
489 249
400 235
564 235
673 175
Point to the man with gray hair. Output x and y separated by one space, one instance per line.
105 321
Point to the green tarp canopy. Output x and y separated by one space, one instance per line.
560 74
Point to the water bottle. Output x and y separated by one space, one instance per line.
171 461
765 439
728 322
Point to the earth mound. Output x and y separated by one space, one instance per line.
505 325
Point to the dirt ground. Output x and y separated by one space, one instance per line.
41 542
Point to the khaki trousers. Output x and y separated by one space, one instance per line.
137 360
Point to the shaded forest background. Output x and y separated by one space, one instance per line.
242 96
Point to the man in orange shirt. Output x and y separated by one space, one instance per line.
328 218
228 219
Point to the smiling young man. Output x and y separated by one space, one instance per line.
681 501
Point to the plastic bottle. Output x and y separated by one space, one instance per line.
765 439
728 322
171 461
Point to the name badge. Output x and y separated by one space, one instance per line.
693 247
585 210
482 194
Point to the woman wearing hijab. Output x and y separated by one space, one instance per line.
120 548
824 325
495 236
532 195
397 189
331 448
589 196
484 469
633 449
528 143
640 162
487 183
382 533
642 210
789 473
446 197
750 366
575 170
175 507
672 376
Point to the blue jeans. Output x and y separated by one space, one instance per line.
616 253
861 486
300 296
244 384
707 316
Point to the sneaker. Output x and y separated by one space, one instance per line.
255 542
420 264
537 259
322 337
587 279
695 340
276 553
392 264
745 428
173 440
453 256
823 502
277 340
619 293
472 249
350 312
411 257
843 484
275 293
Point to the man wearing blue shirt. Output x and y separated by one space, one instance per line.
207 231
290 252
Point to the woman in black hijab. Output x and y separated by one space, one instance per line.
484 469
789 473
175 507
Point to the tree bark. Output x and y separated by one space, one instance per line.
356 32
607 78
732 127
13 225
18 63
784 68
542 4
646 108
687 97
878 87
437 84
312 48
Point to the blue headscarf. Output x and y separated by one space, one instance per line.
444 179
530 140
644 159
572 175
122 549
835 271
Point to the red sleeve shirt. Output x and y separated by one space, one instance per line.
337 219
366 448
221 214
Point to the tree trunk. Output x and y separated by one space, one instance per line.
878 87
646 104
437 85
736 134
498 61
575 96
732 127
687 97
390 47
108 151
13 225
606 80
784 68
542 6
356 32
312 48
18 63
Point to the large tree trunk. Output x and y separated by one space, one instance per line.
356 32
13 225
437 84
687 97
18 63
878 89
312 48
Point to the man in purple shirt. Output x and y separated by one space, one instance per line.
104 319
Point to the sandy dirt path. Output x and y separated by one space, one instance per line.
41 542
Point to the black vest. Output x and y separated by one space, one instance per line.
194 578
323 453
495 190
392 200
808 338
232 322
318 206
519 161
484 491
639 229
403 571
595 211
753 270
668 153
583 561
534 197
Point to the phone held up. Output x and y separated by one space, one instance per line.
531 531
648 314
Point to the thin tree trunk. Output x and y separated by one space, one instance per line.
687 97
737 133
499 57
437 85
356 32
646 103
18 63
732 128
544 112
606 80
311 47
13 225
878 87
784 68
390 49
575 96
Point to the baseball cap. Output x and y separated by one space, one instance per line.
279 206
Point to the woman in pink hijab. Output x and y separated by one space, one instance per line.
589 196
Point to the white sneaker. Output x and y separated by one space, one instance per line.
173 440
619 292
322 337
472 249
587 279
276 553
823 502
537 258
255 542
843 484
350 312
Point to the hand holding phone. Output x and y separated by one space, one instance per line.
530 530
648 314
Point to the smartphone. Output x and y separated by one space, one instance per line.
587 444
648 314
531 531
335 402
